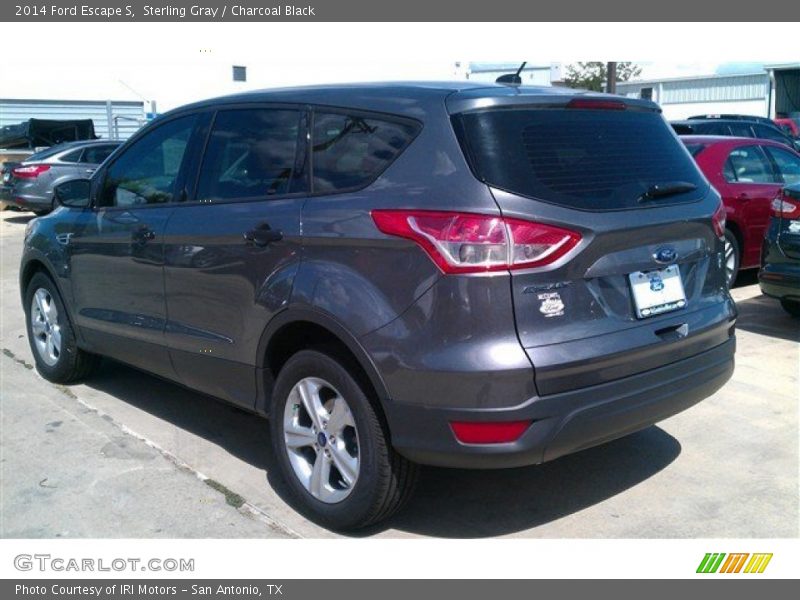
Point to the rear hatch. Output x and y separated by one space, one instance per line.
645 285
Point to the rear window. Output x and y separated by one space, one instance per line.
586 159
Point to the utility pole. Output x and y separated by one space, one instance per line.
611 78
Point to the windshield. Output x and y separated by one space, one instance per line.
586 159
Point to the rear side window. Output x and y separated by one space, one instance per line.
350 151
748 164
769 133
95 155
586 159
72 157
788 164
251 155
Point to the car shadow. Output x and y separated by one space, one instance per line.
764 315
20 220
456 503
453 503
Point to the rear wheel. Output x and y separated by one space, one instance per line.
791 306
732 257
52 339
331 446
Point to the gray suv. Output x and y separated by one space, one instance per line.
445 274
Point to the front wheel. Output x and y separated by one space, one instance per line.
331 446
791 306
52 339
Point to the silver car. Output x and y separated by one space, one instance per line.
29 185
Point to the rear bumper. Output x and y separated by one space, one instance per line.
566 422
780 280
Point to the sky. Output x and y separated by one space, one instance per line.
173 64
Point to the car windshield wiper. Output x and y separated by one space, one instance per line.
662 190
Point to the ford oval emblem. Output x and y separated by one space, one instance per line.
665 255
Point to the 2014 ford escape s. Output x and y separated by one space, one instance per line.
446 274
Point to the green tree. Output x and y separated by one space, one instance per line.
592 75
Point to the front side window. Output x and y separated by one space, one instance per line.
350 151
251 155
788 164
748 164
146 173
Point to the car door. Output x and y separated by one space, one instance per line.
750 184
232 250
117 252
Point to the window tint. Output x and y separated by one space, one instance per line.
96 154
251 154
350 151
72 157
769 133
695 149
741 130
749 165
788 164
588 159
146 172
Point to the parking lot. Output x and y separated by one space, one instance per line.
128 455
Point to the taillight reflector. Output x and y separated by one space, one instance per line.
499 432
785 208
718 220
30 171
473 243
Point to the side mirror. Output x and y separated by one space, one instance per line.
74 194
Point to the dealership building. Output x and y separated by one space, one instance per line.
771 92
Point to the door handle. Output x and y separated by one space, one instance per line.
262 235
744 196
142 235
90 171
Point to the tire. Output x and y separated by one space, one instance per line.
67 363
791 306
732 258
383 480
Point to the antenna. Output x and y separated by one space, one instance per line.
512 78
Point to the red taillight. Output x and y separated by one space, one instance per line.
785 208
718 220
596 104
499 432
472 243
29 172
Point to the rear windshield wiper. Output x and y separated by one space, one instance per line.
662 190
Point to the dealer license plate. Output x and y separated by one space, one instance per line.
657 292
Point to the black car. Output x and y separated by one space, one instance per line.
737 127
780 273
452 274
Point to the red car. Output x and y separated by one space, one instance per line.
748 173
790 126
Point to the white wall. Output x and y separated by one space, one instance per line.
756 108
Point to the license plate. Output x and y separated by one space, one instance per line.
657 292
6 177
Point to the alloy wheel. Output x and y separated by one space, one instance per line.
321 440
45 327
